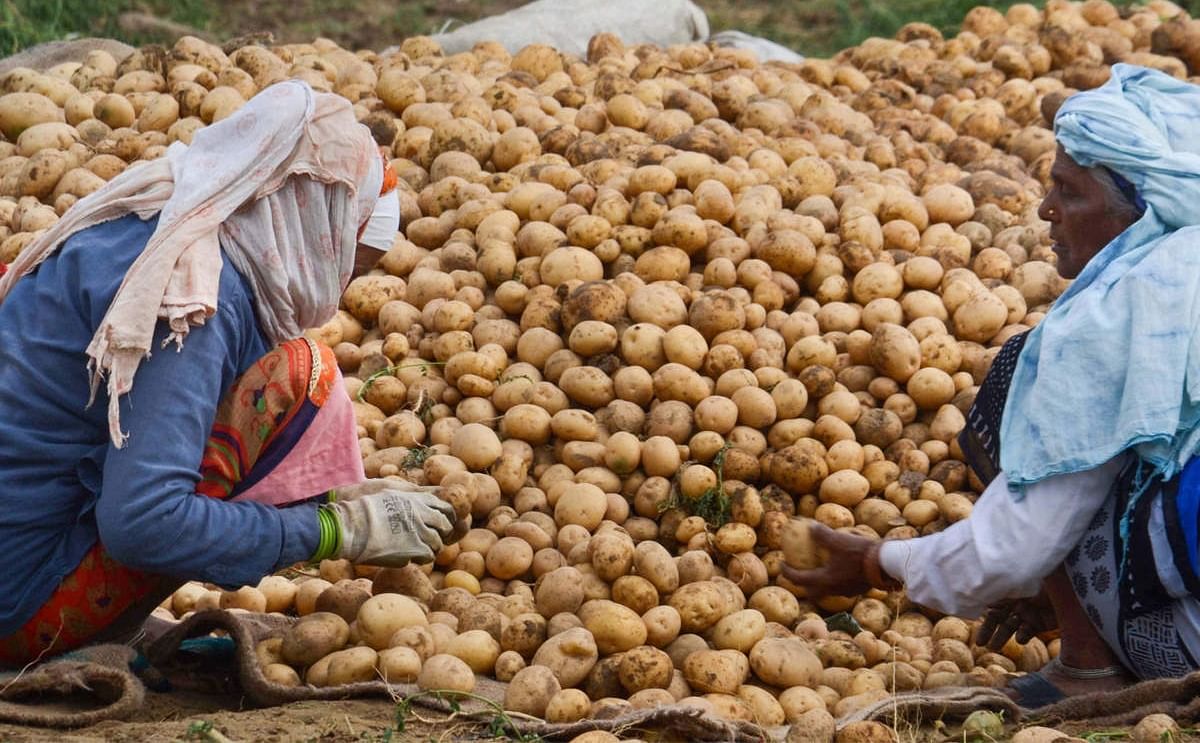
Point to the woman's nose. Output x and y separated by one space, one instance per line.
1047 210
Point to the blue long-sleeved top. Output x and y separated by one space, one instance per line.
63 486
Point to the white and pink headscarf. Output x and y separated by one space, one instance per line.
283 185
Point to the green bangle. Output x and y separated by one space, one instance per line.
330 542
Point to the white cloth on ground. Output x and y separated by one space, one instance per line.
1005 548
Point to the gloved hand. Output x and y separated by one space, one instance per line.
388 526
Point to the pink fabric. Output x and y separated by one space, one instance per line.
326 457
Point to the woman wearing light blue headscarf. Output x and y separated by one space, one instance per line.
1088 425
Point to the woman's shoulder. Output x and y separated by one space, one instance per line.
110 241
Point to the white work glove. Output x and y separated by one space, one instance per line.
390 527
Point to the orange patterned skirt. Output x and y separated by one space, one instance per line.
263 415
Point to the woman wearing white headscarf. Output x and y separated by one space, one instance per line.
162 418
1088 426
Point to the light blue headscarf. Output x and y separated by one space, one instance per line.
1115 364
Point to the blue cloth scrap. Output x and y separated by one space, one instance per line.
1187 500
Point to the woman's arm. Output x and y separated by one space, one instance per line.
148 513
1005 548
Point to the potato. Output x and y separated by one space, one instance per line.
845 487
568 705
644 668
570 655
784 662
475 445
344 599
399 665
739 631
184 599
814 725
446 673
799 550
716 671
380 617
313 637
895 352
350 666
630 282
509 558
662 625
865 732
531 690
581 504
277 673
1037 734
307 593
477 649
653 562
559 591
700 605
1157 727
776 605
22 110
764 707
614 628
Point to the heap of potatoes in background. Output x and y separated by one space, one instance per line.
647 307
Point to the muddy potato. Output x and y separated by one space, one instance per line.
344 599
570 655
313 637
524 634
716 671
700 605
568 705
530 691
645 667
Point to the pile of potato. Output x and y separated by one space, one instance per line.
648 307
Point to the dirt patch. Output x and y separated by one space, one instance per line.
185 716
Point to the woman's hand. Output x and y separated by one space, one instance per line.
845 571
385 524
1022 618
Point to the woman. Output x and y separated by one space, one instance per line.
1087 425
161 416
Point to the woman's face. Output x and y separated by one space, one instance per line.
1081 218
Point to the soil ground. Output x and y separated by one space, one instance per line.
168 718
186 717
